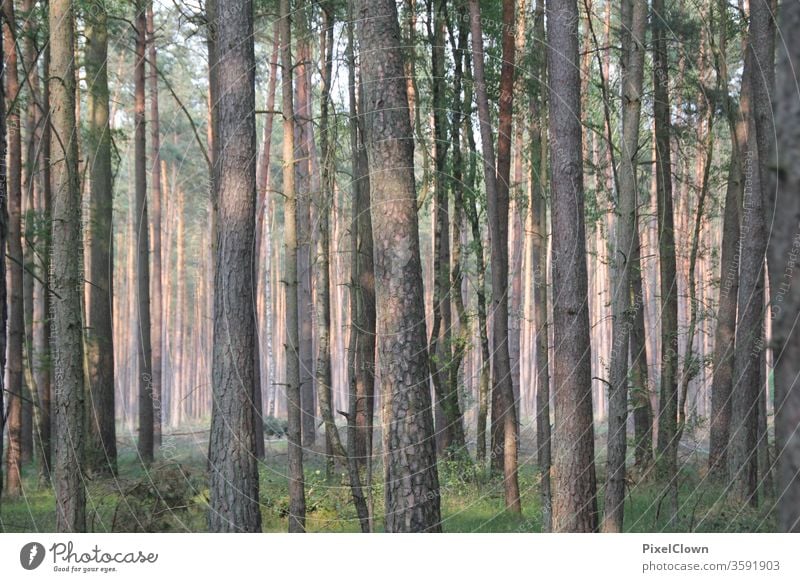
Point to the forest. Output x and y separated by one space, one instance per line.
400 266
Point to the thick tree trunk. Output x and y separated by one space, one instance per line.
634 19
504 414
233 481
783 249
297 499
411 477
742 455
16 321
66 277
667 461
574 486
145 443
101 454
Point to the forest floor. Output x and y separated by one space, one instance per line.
171 496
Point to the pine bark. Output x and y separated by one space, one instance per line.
145 444
233 482
297 500
101 454
634 19
157 304
16 321
66 277
504 414
783 249
411 477
667 460
742 455
574 481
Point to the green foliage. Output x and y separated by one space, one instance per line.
275 427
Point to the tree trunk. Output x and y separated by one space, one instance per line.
16 321
233 481
303 144
743 457
574 487
3 239
725 331
101 454
667 460
145 444
504 441
634 18
297 499
783 249
66 278
411 477
537 226
440 345
157 304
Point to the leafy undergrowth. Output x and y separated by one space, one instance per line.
172 496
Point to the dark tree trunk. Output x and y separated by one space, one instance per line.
16 321
743 449
782 252
538 264
66 278
3 240
157 304
233 481
101 454
411 477
725 331
667 461
504 440
574 486
145 444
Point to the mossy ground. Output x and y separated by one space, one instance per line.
171 496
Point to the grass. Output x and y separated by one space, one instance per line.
172 496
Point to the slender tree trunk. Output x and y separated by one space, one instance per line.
16 321
101 454
411 477
303 137
66 277
725 331
640 389
783 248
668 399
297 499
439 348
537 226
574 487
233 479
504 442
145 444
42 312
157 304
634 19
3 240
